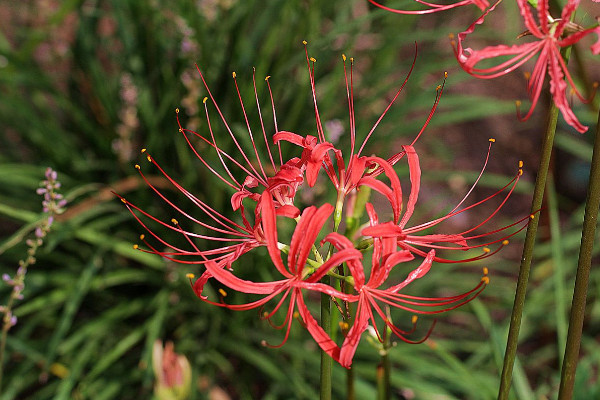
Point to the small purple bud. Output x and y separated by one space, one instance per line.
6 278
41 190
39 232
13 321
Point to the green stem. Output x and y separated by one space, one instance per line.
384 391
567 378
326 361
326 320
383 378
350 390
521 291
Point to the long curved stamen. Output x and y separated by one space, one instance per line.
222 117
262 124
237 89
390 104
274 118
310 63
229 226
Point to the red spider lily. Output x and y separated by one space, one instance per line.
552 35
286 178
279 178
434 7
408 238
298 274
385 257
317 151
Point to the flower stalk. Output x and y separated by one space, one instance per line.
583 272
326 360
530 236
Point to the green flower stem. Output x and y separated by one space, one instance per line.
567 378
326 361
383 378
536 205
326 320
384 368
350 390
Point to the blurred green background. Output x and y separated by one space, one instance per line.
86 84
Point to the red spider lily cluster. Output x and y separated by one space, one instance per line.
549 36
318 258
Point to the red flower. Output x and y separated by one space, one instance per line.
552 35
370 292
296 273
279 178
347 174
408 237
434 7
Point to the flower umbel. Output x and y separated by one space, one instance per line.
264 199
550 36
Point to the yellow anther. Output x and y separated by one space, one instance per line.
439 87
304 42
177 110
204 100
532 216
520 172
313 59
505 242
445 74
265 314
527 75
174 221
344 325
296 314
485 270
414 319
135 246
233 74
267 78
595 85
344 57
181 130
492 140
142 236
520 164
451 36
137 166
486 250
123 200
190 276
485 280
143 151
223 293
351 60
149 158
518 103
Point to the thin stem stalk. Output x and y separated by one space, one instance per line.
326 361
567 378
521 291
